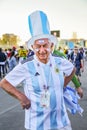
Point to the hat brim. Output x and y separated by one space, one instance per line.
52 38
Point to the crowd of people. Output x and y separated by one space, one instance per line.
77 56
44 71
10 57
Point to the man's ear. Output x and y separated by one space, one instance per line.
32 47
52 46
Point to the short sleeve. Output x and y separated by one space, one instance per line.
17 75
66 66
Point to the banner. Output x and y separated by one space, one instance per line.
71 45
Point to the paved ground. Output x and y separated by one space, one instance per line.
78 122
12 116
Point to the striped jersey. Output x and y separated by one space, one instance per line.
36 76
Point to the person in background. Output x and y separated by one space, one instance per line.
12 61
15 50
81 51
44 77
22 53
3 59
77 59
30 53
60 49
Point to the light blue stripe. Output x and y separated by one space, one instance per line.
44 23
40 121
53 105
47 73
53 119
50 83
30 25
64 121
34 78
53 113
53 100
37 90
61 78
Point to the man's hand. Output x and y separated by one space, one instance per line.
25 102
80 91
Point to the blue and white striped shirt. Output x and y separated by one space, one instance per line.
35 75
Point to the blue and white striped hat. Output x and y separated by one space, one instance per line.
39 27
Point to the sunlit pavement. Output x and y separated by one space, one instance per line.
12 115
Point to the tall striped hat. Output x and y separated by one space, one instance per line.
39 27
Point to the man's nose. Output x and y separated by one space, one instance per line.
42 49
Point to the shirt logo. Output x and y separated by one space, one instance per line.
36 74
56 70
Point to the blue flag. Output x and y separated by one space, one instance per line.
71 100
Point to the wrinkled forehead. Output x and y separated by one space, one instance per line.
42 41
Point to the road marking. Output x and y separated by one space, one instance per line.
9 109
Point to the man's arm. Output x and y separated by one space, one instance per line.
75 81
67 79
11 90
58 53
82 65
77 85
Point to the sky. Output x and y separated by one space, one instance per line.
68 16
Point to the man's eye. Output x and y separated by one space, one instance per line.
45 45
37 47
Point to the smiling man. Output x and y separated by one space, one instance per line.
42 49
44 77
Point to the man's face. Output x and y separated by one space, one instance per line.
76 50
42 49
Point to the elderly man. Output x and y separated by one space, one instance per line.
44 77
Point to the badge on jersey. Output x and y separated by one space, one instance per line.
45 99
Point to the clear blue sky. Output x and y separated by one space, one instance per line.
68 16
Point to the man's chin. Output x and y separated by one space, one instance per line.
42 58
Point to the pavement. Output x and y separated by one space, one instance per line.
12 115
78 122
